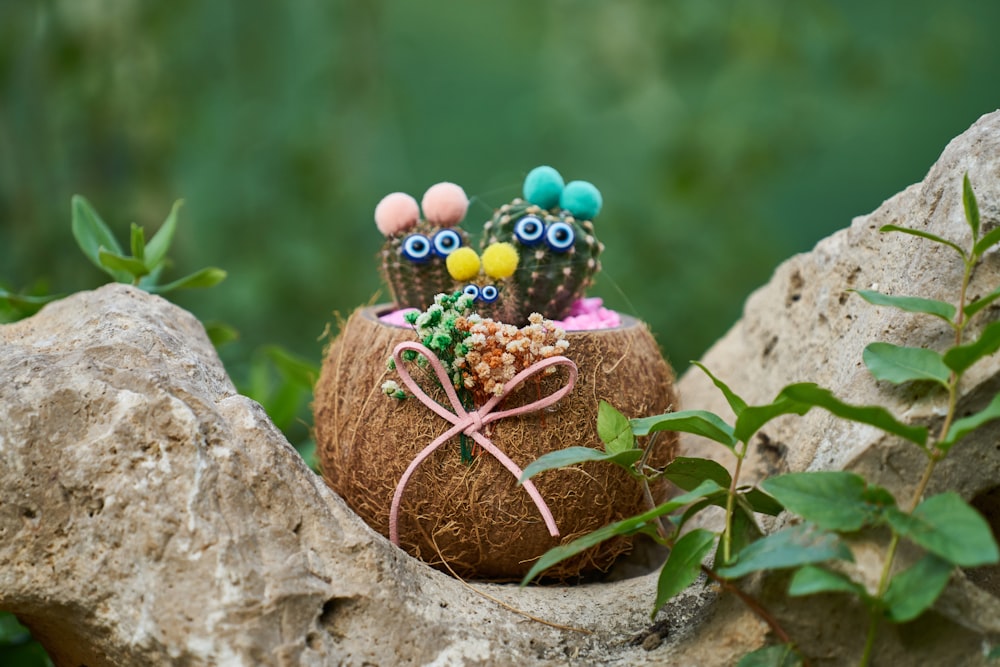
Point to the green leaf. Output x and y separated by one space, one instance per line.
987 242
717 499
204 278
977 305
156 250
810 580
698 422
962 357
282 403
26 302
758 501
897 364
743 532
737 404
221 333
632 525
834 500
812 394
753 418
911 304
994 653
779 655
947 526
614 429
916 588
307 450
799 545
561 458
970 205
683 565
293 368
966 425
925 235
92 234
121 264
12 633
688 473
138 242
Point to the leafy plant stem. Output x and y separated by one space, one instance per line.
870 640
890 555
646 490
727 538
751 603
934 455
960 320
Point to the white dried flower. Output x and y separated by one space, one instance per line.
391 389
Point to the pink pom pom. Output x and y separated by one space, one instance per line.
396 212
445 204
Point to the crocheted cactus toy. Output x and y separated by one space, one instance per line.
415 249
553 231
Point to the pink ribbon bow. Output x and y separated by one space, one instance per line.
470 422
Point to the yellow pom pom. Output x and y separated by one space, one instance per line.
500 260
463 264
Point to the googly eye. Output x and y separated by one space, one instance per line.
445 242
529 230
416 248
488 294
471 290
560 236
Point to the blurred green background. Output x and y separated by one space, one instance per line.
725 136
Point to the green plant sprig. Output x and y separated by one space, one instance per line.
15 306
143 267
898 364
830 504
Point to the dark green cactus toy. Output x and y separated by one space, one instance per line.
553 231
413 255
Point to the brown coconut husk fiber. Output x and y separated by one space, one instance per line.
475 515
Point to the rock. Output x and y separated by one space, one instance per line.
806 325
151 515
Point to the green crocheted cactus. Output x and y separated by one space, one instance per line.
553 231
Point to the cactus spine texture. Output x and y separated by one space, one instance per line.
414 271
559 258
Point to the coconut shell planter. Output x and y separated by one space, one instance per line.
426 417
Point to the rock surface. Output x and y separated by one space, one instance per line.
151 515
806 325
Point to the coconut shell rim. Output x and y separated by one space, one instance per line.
376 311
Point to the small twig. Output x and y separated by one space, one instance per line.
751 603
646 490
503 604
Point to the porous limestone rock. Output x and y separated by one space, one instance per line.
150 515
806 325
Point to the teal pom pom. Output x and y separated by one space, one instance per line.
581 199
543 186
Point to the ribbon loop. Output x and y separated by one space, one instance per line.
471 422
